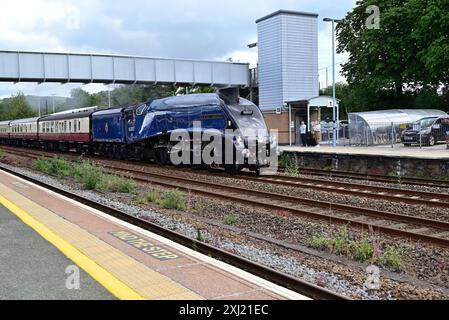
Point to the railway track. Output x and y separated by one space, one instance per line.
429 199
420 229
295 284
363 190
376 178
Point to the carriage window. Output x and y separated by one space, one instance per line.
79 125
70 126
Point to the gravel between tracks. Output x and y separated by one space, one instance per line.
424 262
440 214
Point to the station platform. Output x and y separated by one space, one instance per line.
437 152
43 233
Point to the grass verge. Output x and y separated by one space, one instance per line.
90 176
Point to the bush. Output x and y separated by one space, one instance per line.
392 259
284 160
292 169
341 244
60 167
154 196
363 250
318 242
54 166
143 200
172 199
116 184
231 220
126 186
88 175
42 165
3 153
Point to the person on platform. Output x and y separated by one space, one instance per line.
303 134
317 132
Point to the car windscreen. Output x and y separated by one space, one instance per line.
425 123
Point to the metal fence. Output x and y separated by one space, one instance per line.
379 133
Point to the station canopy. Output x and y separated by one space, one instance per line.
395 116
373 126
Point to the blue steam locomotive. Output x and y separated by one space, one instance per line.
145 131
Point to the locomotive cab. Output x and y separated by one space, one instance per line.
251 139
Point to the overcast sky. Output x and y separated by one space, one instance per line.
198 29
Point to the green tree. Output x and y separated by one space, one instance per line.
404 62
16 107
79 99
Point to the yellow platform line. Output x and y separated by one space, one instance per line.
106 279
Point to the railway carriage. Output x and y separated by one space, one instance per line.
4 131
24 132
66 131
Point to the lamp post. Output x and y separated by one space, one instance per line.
334 102
253 75
53 101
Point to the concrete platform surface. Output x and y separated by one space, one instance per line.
33 269
128 261
436 152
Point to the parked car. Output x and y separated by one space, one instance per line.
426 131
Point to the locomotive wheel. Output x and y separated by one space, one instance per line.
122 153
162 157
232 169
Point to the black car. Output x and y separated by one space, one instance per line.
426 131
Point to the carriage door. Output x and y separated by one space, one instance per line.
130 120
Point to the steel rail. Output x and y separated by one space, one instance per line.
373 177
